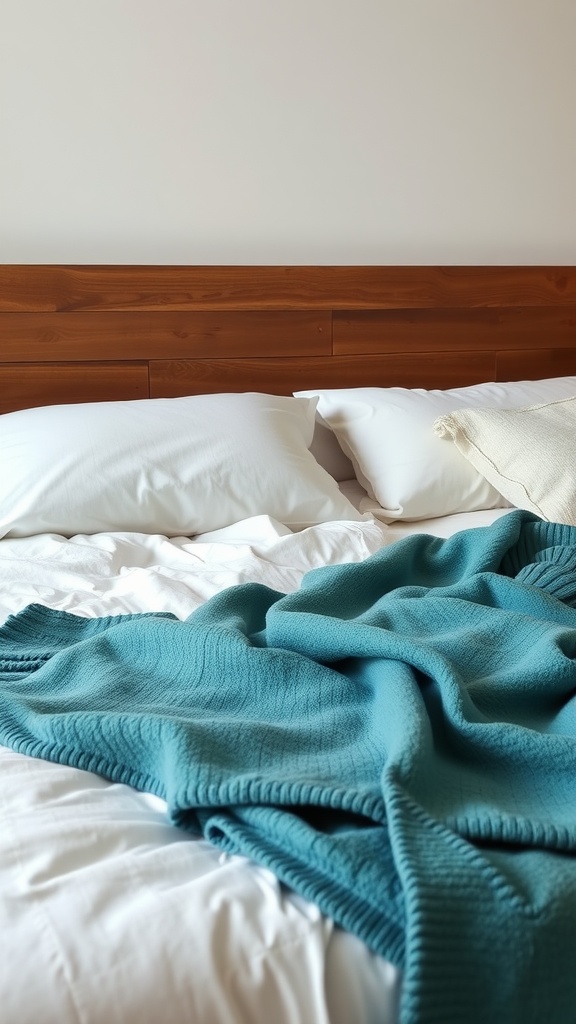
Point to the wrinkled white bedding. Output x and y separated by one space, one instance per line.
108 914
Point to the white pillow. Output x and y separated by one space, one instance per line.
388 434
175 466
528 454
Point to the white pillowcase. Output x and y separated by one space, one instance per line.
528 454
174 466
388 434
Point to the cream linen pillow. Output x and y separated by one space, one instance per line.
529 455
172 466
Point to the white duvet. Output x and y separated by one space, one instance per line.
109 914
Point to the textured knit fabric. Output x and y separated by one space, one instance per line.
526 454
397 741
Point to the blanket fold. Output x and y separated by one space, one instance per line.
396 740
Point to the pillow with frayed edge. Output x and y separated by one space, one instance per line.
527 454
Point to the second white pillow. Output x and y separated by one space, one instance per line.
388 434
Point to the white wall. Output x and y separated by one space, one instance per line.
287 131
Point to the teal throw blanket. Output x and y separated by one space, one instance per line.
396 741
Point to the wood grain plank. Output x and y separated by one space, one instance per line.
535 365
381 331
170 378
29 384
73 288
166 335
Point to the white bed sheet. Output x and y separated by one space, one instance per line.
108 914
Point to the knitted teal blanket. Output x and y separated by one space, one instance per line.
396 741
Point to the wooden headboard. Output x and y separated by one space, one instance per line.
95 333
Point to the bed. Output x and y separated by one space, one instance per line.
269 393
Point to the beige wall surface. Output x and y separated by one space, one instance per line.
308 131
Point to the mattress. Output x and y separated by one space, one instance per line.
107 911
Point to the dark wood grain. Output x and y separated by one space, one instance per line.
29 384
73 288
167 334
94 333
283 376
534 365
416 330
